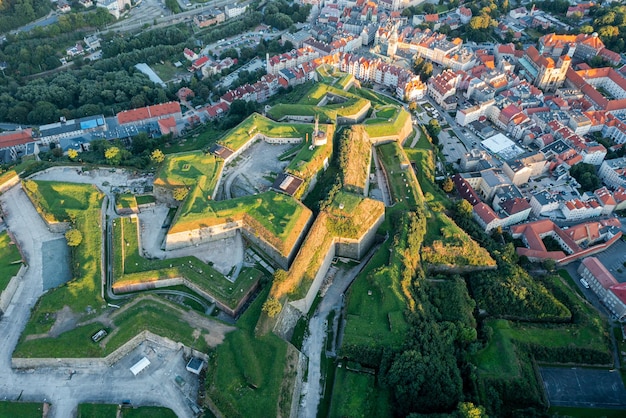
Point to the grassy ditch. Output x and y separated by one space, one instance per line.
245 372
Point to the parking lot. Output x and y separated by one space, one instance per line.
453 148
583 387
614 258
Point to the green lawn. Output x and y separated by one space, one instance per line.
82 203
387 128
355 395
10 260
188 169
499 357
245 373
377 99
375 305
145 199
167 71
92 410
308 162
10 409
125 201
158 316
131 267
405 191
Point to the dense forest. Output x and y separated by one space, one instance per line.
15 13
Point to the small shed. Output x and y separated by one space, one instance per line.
140 366
195 365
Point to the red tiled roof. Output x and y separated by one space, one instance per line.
597 270
485 213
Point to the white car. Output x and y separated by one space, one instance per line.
584 283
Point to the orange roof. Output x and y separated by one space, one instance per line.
148 112
11 139
597 270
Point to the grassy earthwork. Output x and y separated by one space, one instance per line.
130 268
256 123
146 313
278 218
10 260
186 169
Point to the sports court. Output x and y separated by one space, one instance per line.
583 387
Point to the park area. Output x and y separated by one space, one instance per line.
356 395
130 268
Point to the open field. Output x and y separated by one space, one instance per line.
356 395
184 170
61 201
10 409
167 71
10 260
95 410
256 123
499 358
199 138
149 313
377 99
245 373
278 218
130 267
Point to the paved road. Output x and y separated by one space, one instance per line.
94 384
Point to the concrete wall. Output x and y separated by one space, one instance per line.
304 304
357 117
114 357
202 235
9 183
9 291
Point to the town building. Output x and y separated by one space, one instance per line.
613 172
610 292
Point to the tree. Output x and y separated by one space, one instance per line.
74 237
180 193
272 307
549 264
447 185
280 276
433 128
113 155
585 175
157 156
72 154
464 208
469 410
